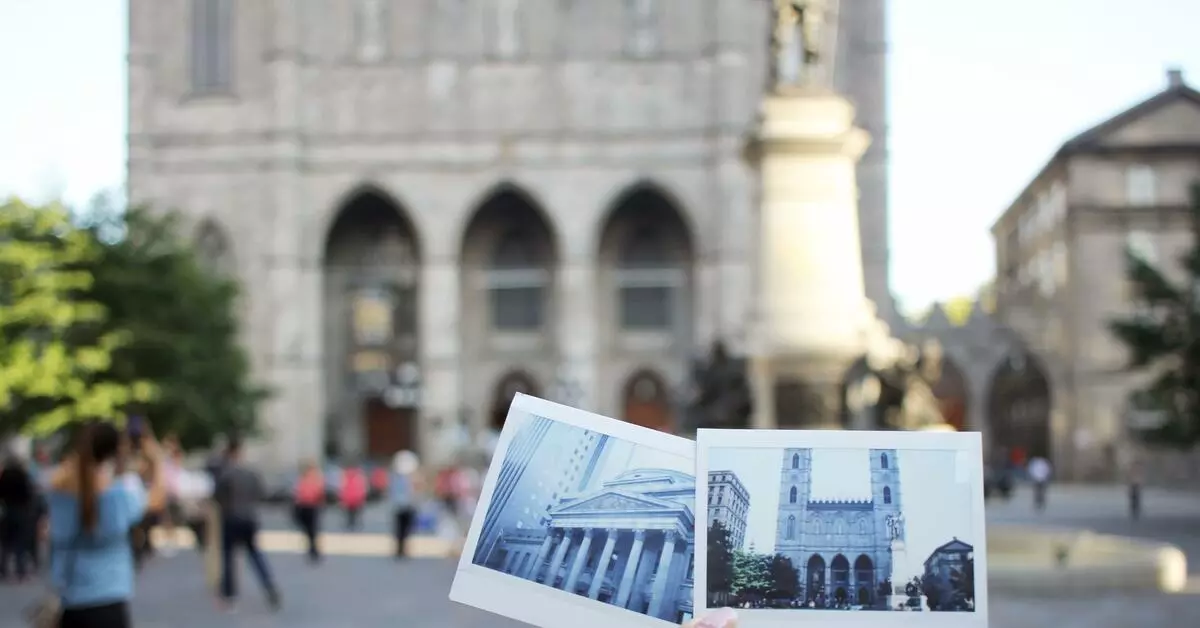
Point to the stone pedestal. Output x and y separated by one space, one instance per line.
812 315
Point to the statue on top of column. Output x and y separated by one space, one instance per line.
798 49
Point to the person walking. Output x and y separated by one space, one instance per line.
1040 472
308 497
401 491
239 491
94 500
353 495
18 518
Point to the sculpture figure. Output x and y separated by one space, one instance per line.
797 18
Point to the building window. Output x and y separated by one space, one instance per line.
883 461
642 30
792 495
372 30
887 495
212 43
648 280
1141 185
517 283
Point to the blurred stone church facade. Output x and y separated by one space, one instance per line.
433 204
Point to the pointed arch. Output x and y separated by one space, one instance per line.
214 247
370 261
647 248
509 253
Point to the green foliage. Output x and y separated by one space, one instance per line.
785 579
1163 339
182 326
56 343
751 574
720 559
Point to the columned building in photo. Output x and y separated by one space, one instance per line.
435 204
628 543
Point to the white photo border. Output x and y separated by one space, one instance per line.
531 602
970 448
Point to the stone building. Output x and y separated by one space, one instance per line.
1060 250
628 543
840 548
729 504
433 204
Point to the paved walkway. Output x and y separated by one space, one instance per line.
367 591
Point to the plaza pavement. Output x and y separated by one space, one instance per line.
373 592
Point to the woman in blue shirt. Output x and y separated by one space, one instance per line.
94 502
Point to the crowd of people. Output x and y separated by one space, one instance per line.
117 498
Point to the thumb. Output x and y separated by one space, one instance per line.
721 618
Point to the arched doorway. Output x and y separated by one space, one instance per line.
864 579
951 393
507 388
839 575
1019 404
647 402
371 268
814 585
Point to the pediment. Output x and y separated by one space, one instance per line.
614 501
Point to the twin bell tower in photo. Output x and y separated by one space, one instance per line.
812 321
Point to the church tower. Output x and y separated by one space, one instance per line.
885 493
795 488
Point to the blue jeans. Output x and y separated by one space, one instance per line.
242 533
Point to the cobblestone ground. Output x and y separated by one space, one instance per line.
370 592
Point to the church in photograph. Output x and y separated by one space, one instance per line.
432 205
841 549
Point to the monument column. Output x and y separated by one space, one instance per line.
559 556
631 564
602 565
541 557
580 561
663 573
812 313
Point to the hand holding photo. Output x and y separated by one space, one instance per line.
827 522
582 516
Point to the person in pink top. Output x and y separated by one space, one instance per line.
353 495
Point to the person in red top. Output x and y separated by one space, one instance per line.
353 495
309 495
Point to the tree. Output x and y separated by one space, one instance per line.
56 344
751 574
720 562
1163 339
183 326
785 579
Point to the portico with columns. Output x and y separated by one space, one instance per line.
614 546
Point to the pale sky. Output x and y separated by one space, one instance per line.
981 94
936 504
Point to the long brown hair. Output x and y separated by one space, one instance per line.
95 444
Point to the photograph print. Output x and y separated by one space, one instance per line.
839 529
591 512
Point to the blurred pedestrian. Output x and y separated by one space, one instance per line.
402 490
1135 491
95 499
308 496
353 495
1040 471
18 518
239 491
